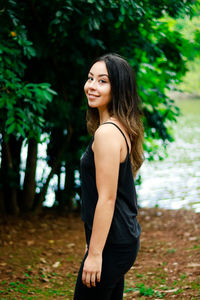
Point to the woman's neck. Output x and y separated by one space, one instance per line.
103 116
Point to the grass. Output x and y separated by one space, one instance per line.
172 250
161 291
145 291
31 288
154 285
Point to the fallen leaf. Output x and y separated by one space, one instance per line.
193 265
192 238
187 287
70 245
51 241
187 234
136 293
44 279
56 264
169 291
42 260
30 243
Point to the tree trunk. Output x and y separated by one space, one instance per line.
9 184
15 149
69 184
2 205
59 178
13 202
29 179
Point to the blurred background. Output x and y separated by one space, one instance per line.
45 53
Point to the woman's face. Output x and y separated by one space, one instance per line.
98 88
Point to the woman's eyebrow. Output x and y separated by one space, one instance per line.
99 75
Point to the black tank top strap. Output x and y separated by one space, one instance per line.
120 131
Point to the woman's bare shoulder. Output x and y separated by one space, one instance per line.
107 137
107 131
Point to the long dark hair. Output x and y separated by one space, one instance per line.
125 105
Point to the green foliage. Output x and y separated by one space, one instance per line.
55 42
190 82
22 104
190 30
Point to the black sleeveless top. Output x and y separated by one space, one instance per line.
124 227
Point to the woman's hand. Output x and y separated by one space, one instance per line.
92 270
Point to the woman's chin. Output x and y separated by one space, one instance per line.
92 104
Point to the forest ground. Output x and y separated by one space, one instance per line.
40 257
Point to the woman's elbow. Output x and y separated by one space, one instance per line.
107 200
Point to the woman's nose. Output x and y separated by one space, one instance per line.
92 84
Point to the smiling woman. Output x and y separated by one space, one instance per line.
109 204
97 87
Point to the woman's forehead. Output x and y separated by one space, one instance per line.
99 68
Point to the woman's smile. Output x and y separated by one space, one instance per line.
97 87
92 96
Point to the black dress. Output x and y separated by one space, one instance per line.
122 243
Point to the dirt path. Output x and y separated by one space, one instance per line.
39 258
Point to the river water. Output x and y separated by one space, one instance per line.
175 182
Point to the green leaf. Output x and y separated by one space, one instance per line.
21 130
2 103
10 120
46 95
123 10
11 128
52 91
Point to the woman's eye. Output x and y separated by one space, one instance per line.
102 81
90 78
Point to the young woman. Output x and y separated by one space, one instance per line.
114 155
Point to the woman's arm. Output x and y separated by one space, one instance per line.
106 149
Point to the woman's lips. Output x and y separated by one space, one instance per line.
91 96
